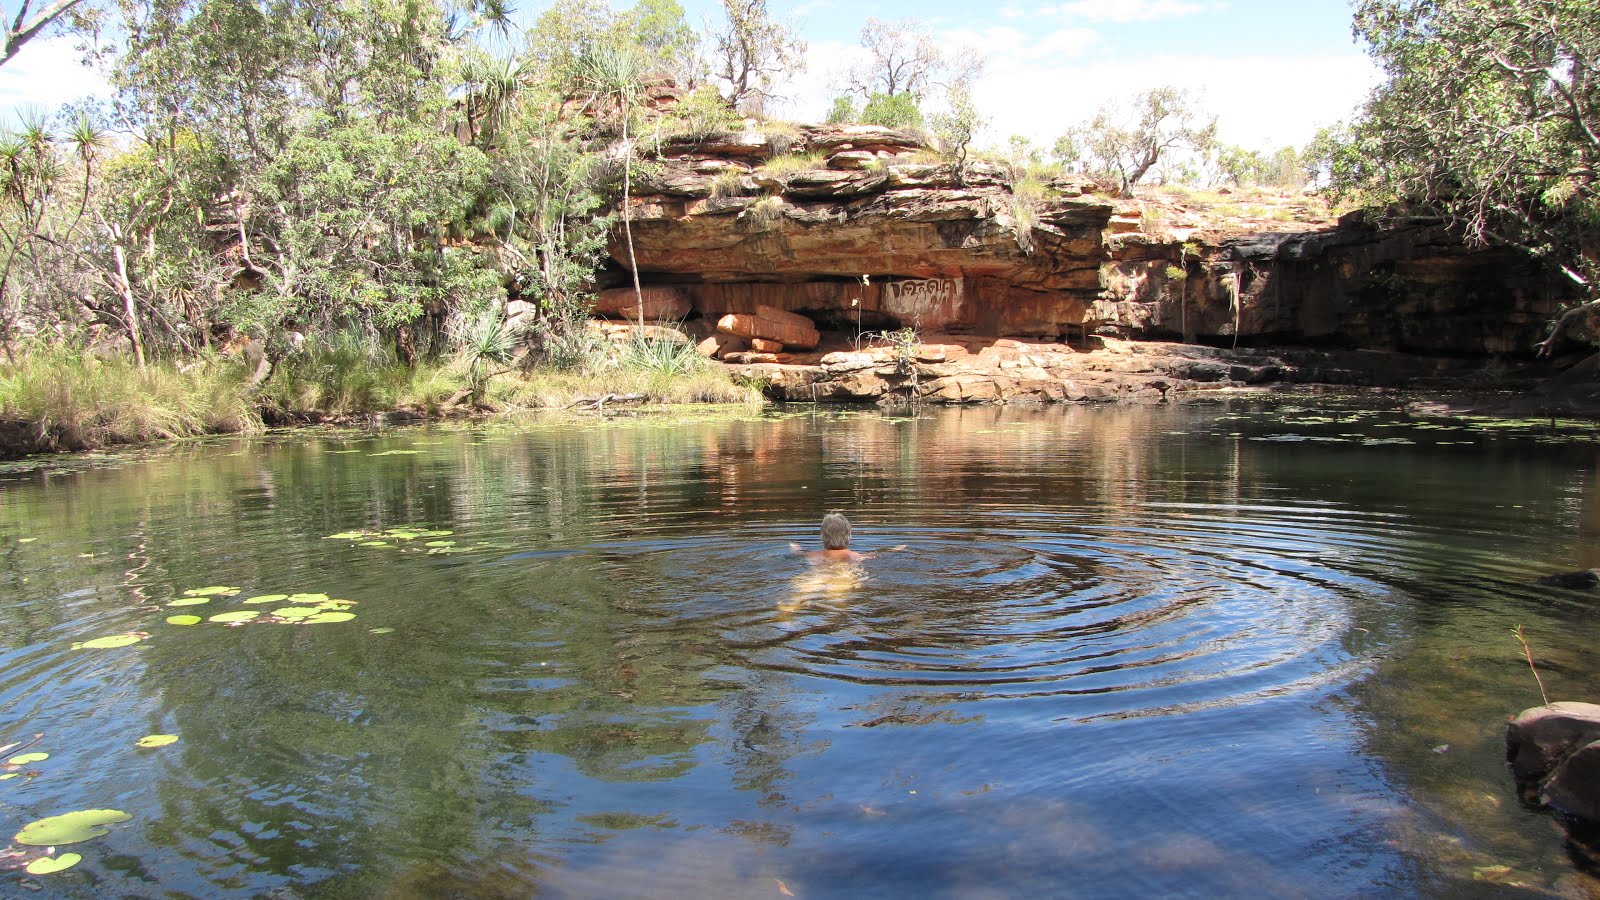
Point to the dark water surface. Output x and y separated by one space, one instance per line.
1180 651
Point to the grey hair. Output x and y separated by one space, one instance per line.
835 531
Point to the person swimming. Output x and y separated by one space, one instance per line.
834 573
836 542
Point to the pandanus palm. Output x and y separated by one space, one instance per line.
615 74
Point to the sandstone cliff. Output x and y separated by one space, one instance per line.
811 247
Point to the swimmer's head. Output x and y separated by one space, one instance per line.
835 531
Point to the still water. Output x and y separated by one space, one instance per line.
1232 649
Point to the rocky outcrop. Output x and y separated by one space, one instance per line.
802 244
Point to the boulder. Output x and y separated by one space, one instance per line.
772 324
1541 738
1574 787
659 304
762 345
719 345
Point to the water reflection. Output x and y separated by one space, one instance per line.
1131 650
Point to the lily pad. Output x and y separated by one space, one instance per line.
324 618
49 865
296 613
156 740
22 759
437 534
301 599
268 598
26 540
376 544
347 536
215 590
10 775
69 828
229 618
183 620
112 642
190 601
440 544
381 630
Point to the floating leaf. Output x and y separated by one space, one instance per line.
156 740
183 620
49 865
10 775
381 630
294 613
440 544
212 591
268 598
375 544
336 604
437 534
229 618
324 618
26 540
22 759
347 536
112 642
69 828
299 599
190 601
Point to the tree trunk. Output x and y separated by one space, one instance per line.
130 308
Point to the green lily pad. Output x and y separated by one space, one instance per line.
26 540
375 544
347 536
49 865
229 618
268 598
396 453
324 618
381 630
183 620
10 775
190 601
336 603
69 828
22 759
213 591
112 642
440 544
437 534
301 599
156 740
295 613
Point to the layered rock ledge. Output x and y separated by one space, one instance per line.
849 263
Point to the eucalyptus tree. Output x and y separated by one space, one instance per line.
904 57
1126 140
31 20
1490 116
752 51
301 148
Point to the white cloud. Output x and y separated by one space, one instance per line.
45 74
1256 104
1127 10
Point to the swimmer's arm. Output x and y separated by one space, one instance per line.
796 548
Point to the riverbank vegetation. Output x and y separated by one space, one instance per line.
303 210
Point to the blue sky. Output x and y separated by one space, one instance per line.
1271 70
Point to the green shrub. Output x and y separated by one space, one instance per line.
892 111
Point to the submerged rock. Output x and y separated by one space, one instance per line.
1577 581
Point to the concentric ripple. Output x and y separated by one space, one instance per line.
1168 609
